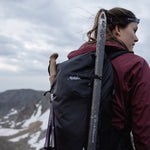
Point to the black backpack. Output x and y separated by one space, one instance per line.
71 94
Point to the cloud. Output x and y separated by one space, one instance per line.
8 46
7 67
32 30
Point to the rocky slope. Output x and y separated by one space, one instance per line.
23 119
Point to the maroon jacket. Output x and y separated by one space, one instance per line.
131 104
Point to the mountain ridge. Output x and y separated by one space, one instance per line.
23 118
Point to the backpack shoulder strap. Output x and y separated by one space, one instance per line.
114 54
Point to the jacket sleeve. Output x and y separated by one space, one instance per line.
140 105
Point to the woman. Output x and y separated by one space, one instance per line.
131 103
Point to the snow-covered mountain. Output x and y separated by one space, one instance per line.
23 119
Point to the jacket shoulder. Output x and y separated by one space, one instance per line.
129 60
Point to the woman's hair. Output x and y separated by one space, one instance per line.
115 16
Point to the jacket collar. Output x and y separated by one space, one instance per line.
91 47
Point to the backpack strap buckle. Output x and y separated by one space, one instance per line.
95 76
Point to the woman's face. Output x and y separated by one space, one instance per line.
128 35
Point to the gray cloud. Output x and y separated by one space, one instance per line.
31 30
8 46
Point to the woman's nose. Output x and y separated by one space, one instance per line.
136 39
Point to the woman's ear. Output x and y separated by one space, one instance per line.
116 31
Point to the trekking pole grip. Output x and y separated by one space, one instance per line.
52 66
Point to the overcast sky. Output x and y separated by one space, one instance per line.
31 30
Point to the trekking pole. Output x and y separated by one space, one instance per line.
52 71
52 68
96 98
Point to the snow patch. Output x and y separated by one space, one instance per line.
34 117
37 105
12 124
34 140
19 123
9 132
4 122
19 138
12 112
44 120
40 144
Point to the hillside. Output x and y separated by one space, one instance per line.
23 119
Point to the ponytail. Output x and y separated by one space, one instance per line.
92 34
